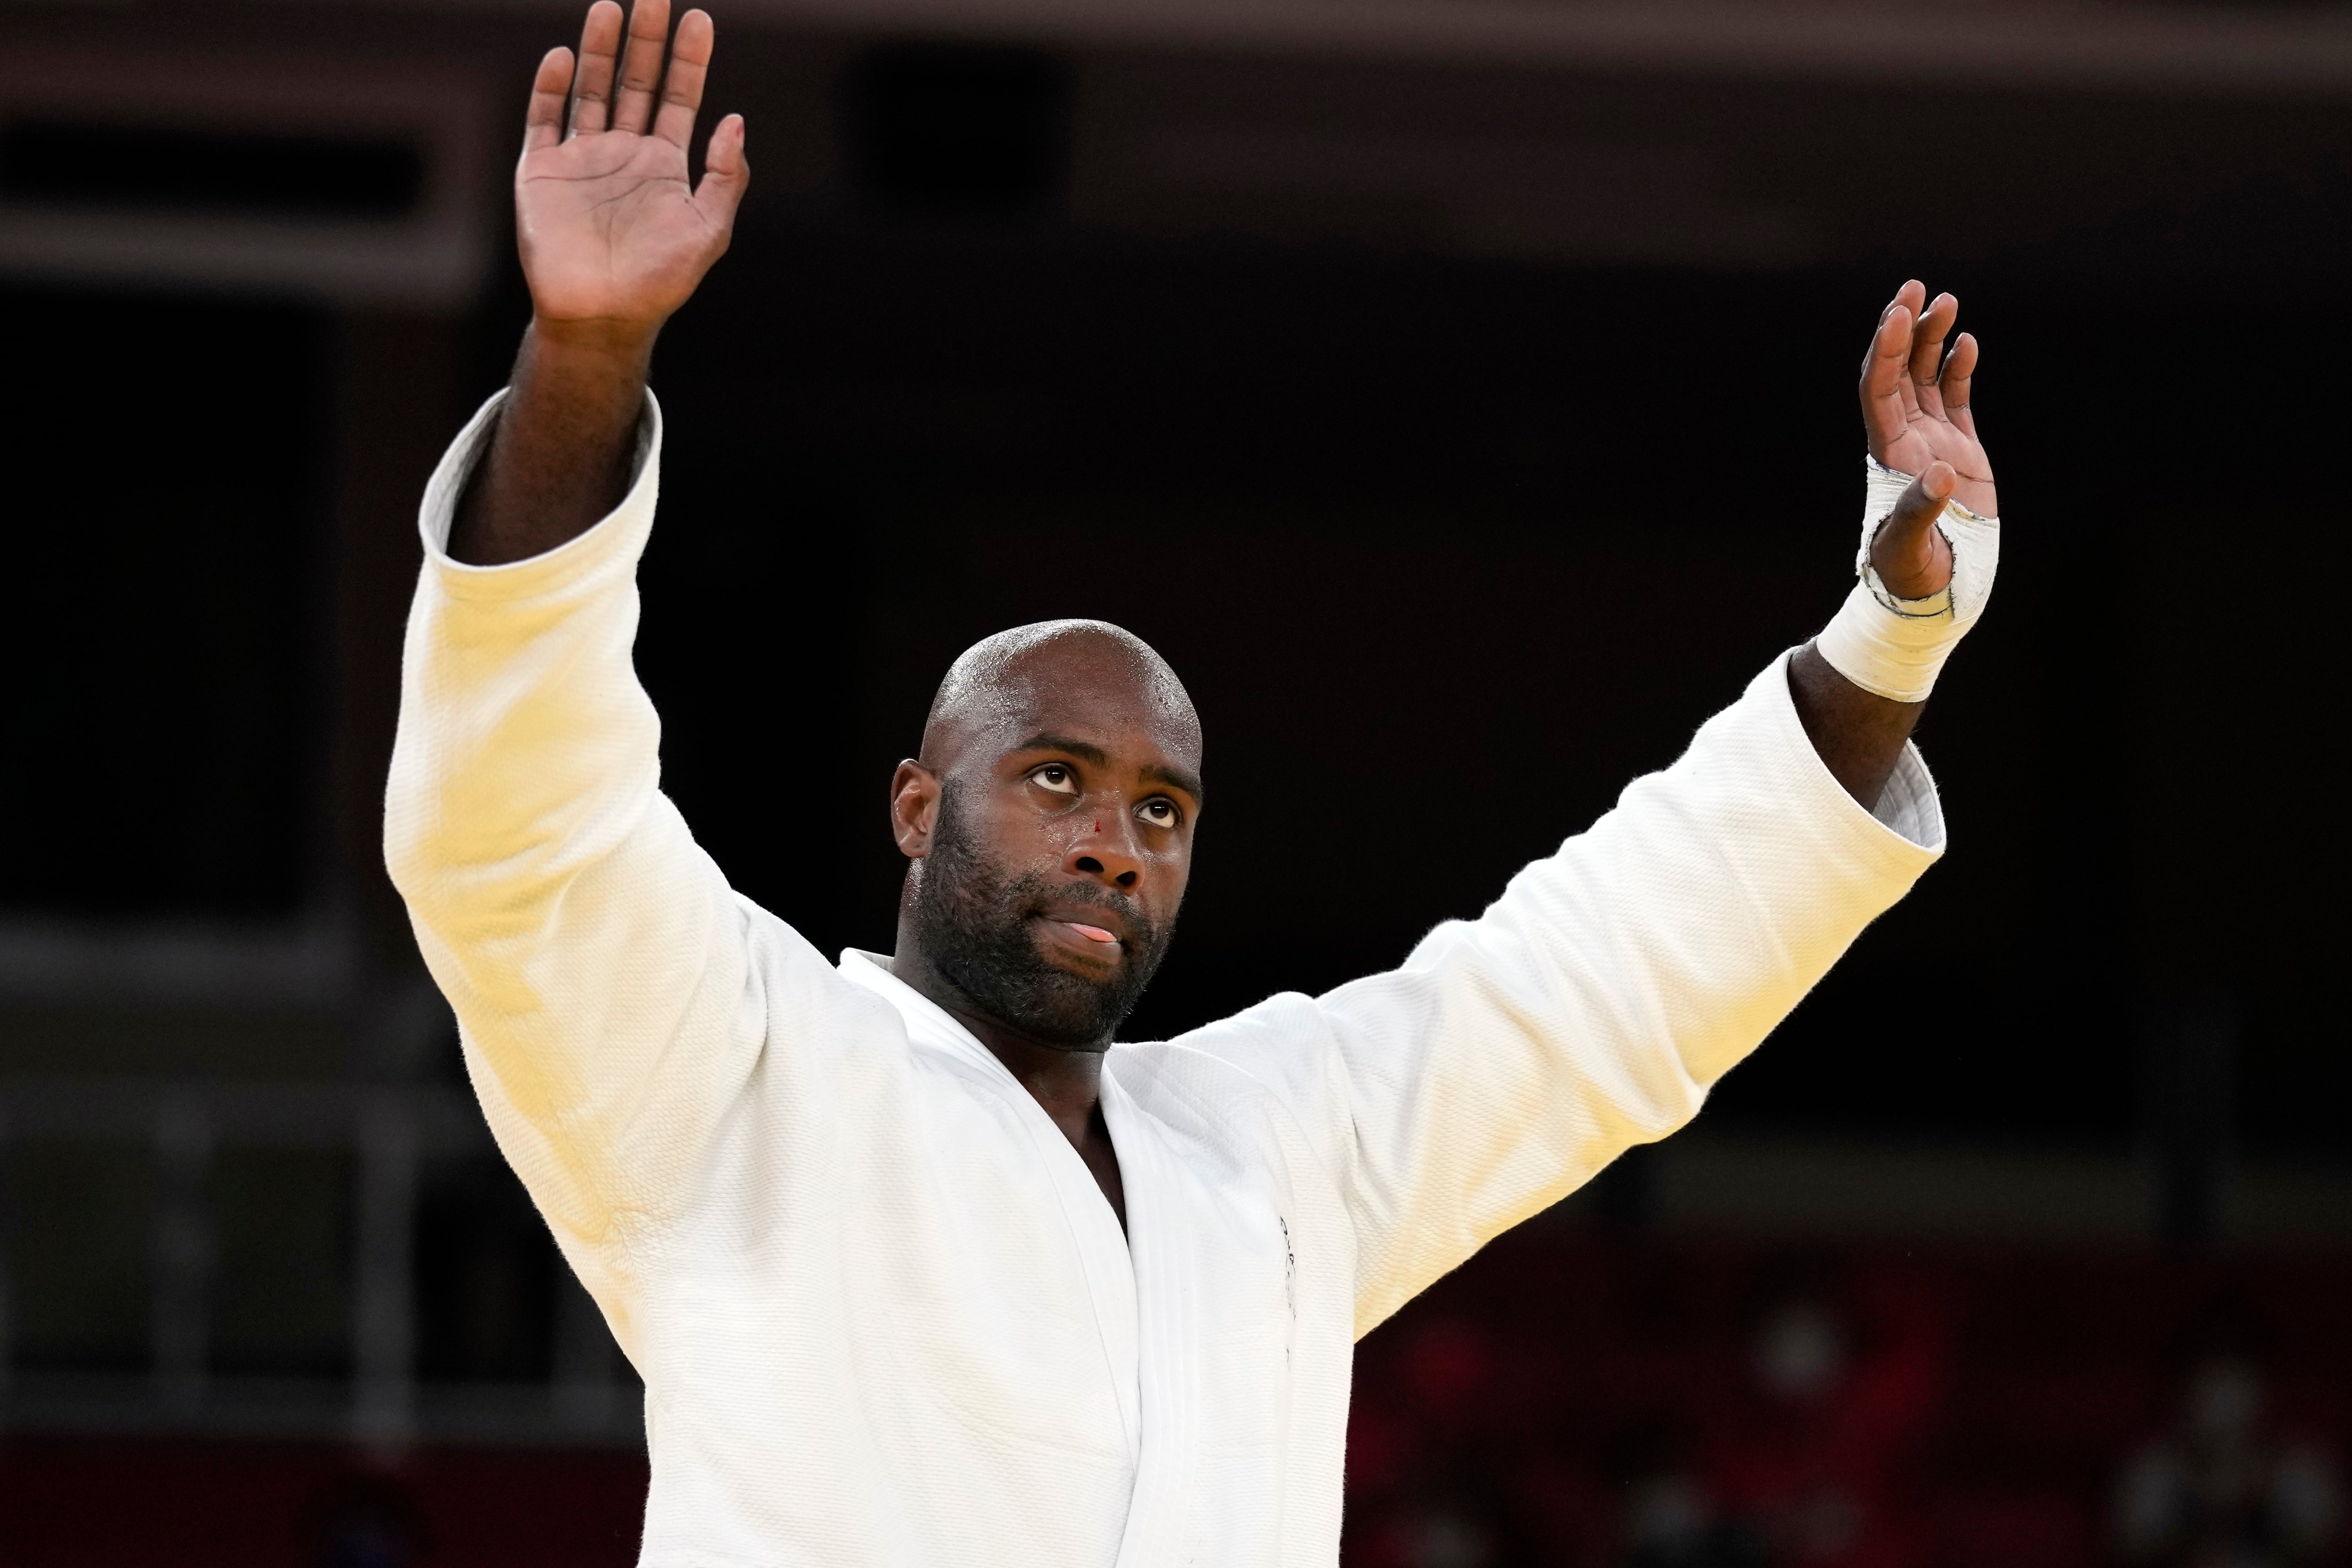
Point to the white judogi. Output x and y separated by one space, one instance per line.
883 1313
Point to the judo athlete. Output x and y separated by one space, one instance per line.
919 1267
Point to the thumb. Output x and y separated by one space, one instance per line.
1909 552
725 173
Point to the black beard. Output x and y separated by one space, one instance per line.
977 928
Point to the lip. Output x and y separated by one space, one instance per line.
1067 927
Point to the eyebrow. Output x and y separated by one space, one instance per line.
1087 750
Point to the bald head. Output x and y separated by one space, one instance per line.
1048 827
1054 678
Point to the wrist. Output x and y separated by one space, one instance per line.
1894 646
564 450
596 346
588 378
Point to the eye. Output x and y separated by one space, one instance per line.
1054 776
1160 812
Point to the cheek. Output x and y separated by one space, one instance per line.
1005 834
1024 841
1172 873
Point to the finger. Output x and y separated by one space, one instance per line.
641 68
725 173
1928 349
542 122
1910 554
591 89
1906 298
1959 373
689 63
1884 411
1909 299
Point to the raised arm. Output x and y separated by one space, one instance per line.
599 965
613 239
1594 1005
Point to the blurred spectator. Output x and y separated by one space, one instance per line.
1456 1460
1440 1532
1448 1517
1814 1465
1672 1522
1443 1512
2220 1491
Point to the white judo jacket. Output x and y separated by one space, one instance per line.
883 1313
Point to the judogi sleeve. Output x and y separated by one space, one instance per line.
1594 1004
597 961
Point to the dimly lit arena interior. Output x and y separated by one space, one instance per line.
1459 393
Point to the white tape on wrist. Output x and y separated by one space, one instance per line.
1894 647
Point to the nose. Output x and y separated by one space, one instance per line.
1107 853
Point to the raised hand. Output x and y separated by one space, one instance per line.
1915 410
613 238
1915 414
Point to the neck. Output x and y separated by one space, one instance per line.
1066 1083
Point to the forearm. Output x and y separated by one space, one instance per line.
561 455
1859 734
525 741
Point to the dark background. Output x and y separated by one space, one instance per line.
1451 523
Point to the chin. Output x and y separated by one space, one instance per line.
1095 975
1067 1011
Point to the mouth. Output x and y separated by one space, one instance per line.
1083 938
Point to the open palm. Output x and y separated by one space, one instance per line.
1914 398
612 233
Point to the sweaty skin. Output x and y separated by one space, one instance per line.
1057 741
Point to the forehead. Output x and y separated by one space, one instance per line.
1089 689
1123 710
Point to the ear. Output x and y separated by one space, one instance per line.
914 807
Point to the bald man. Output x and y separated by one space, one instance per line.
919 1265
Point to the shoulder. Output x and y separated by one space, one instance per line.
802 994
